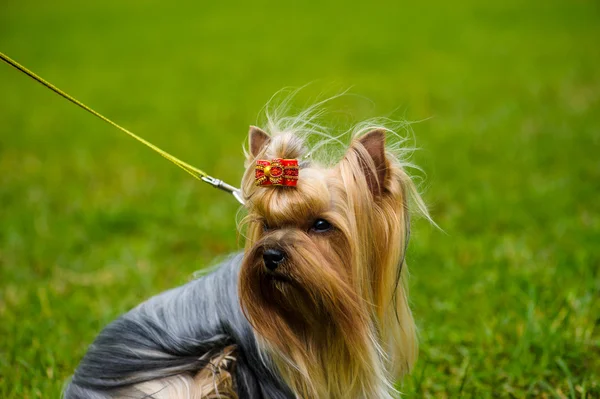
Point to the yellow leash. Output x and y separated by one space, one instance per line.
197 173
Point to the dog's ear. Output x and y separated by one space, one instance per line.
258 139
376 173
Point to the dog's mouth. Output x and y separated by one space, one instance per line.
278 277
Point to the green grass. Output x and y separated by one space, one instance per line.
92 223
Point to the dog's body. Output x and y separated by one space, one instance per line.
315 307
178 333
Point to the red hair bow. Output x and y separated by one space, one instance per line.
277 172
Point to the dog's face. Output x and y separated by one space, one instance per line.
321 262
297 267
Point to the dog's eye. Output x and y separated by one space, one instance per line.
265 226
321 226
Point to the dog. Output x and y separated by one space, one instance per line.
316 306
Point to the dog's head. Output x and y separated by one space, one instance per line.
321 277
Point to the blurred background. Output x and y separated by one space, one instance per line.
508 99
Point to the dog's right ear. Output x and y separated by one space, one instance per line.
375 172
258 140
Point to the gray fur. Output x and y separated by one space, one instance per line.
177 332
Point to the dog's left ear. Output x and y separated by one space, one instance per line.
258 140
375 173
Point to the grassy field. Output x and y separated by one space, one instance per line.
91 223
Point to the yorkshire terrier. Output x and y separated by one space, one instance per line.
315 307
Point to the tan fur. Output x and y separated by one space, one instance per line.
213 382
339 325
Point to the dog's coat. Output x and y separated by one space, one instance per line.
316 306
175 334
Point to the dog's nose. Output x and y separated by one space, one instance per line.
273 257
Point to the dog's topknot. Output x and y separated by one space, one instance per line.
286 145
304 136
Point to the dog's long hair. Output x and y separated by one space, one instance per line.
340 326
334 323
